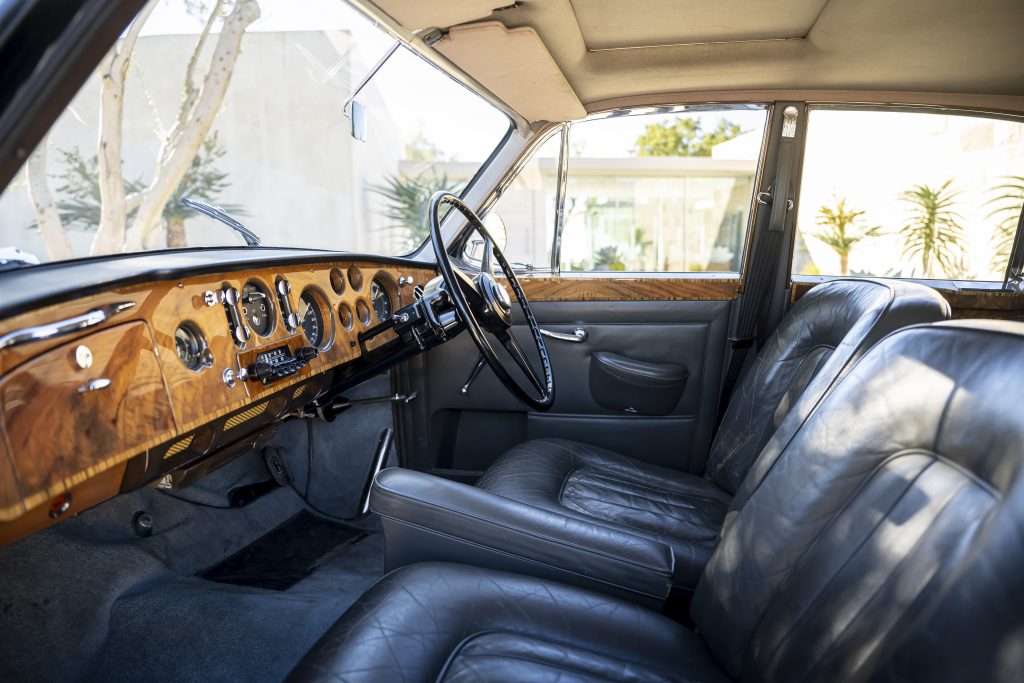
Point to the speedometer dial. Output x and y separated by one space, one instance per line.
311 319
381 300
256 308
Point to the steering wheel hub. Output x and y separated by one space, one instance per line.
496 301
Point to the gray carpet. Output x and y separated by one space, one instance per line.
89 600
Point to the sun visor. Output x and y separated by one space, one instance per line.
419 14
515 66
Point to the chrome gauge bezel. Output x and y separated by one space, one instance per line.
326 316
386 289
202 357
271 312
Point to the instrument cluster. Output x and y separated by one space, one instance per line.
263 314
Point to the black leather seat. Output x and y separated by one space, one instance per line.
883 541
817 341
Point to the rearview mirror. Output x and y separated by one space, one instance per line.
358 112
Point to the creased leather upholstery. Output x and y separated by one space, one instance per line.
446 622
430 518
818 340
681 510
885 543
822 335
889 521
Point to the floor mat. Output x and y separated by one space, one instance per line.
285 556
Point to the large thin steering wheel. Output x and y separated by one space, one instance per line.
484 306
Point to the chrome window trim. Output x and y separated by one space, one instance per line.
561 180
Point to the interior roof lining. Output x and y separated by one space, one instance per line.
802 36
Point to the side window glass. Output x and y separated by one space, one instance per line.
909 194
661 192
527 208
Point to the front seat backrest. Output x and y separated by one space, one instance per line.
818 340
889 527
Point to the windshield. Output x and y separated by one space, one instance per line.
248 106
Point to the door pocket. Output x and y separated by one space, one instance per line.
636 386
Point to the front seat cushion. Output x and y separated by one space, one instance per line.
813 347
447 622
681 510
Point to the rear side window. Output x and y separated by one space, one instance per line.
909 194
664 192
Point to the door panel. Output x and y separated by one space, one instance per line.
468 431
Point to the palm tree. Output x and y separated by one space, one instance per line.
933 232
838 234
1007 208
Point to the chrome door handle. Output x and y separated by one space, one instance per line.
61 327
578 336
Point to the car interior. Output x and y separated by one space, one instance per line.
559 340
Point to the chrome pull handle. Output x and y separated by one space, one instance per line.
94 385
578 336
62 327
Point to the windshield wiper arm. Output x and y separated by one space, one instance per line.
251 238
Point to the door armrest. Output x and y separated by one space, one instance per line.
427 518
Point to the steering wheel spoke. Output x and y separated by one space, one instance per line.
516 351
487 260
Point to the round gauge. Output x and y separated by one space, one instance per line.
311 319
257 308
381 300
337 281
345 316
355 278
191 348
363 312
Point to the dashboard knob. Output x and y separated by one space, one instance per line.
306 353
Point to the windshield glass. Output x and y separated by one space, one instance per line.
247 105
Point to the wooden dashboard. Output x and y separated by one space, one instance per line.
87 410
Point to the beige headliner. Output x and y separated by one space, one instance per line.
866 46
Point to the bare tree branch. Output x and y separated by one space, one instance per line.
113 72
188 102
183 143
47 217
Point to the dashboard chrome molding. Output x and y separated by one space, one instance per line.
60 328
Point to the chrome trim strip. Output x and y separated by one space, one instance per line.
60 328
563 172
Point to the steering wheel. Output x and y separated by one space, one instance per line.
484 306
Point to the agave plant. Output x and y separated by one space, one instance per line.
1006 209
407 200
80 202
838 232
933 233
608 258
